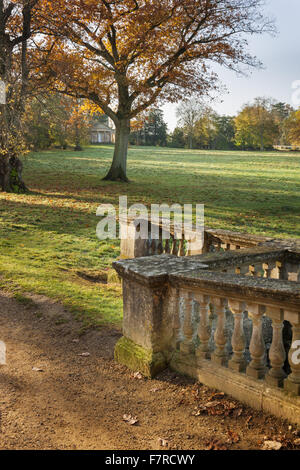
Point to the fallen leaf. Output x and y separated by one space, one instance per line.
163 442
218 395
248 420
211 404
233 437
272 445
85 354
154 390
137 375
215 445
36 369
238 412
130 419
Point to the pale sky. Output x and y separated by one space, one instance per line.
280 56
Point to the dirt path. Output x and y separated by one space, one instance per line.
78 402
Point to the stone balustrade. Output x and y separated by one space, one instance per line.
234 331
170 240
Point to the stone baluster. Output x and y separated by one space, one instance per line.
292 383
174 308
267 270
175 246
181 247
279 270
171 243
204 333
220 356
153 247
252 271
148 246
276 374
160 248
257 367
167 246
187 346
238 340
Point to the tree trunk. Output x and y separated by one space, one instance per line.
118 169
11 175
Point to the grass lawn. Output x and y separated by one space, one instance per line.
47 238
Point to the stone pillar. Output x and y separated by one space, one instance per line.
132 247
257 367
198 247
238 361
276 374
150 319
147 320
204 333
292 383
220 355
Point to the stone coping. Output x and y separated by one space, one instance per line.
196 272
229 258
253 289
154 270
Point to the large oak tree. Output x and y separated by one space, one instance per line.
126 55
16 19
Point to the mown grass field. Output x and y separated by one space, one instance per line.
48 243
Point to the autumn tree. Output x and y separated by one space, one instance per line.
188 114
205 132
292 128
177 138
205 129
127 55
225 132
256 126
282 112
54 119
15 31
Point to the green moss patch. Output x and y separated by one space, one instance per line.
139 359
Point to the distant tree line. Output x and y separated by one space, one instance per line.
57 120
260 125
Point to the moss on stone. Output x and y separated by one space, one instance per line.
139 359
